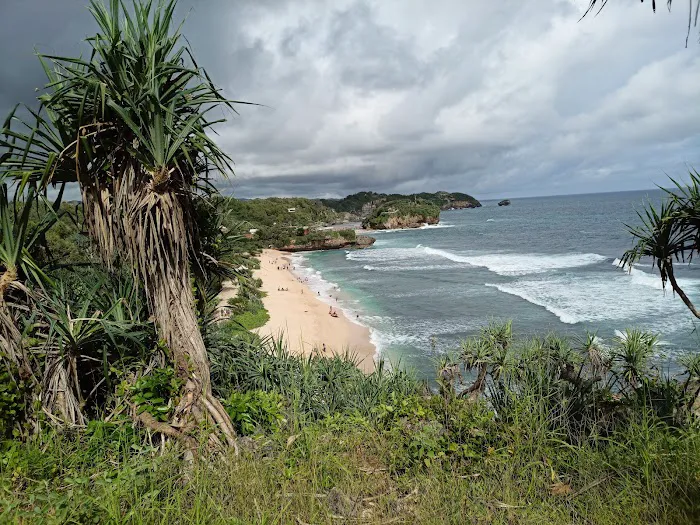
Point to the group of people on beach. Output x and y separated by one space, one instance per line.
332 312
280 289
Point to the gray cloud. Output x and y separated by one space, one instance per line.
492 98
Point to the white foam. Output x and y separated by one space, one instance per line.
490 220
602 297
436 226
399 268
651 280
521 264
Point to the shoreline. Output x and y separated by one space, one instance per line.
303 317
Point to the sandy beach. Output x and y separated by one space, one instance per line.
304 319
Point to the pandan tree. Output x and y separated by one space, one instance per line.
669 234
129 124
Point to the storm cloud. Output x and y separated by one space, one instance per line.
491 98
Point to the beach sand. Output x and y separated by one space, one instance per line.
303 319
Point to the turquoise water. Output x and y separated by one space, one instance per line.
549 264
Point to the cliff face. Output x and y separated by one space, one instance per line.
405 221
402 214
460 205
362 241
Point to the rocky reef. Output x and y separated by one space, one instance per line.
504 202
459 205
328 243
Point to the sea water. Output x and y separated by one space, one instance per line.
548 264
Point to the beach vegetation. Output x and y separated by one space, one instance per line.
546 443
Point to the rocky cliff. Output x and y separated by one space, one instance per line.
459 205
404 221
330 243
402 214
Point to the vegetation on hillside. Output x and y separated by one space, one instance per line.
266 213
403 213
129 126
565 434
354 203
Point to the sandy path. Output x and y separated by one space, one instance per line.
304 319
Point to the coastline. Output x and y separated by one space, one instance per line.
303 318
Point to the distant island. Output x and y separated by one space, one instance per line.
301 224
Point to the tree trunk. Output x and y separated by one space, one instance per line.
477 388
145 218
677 289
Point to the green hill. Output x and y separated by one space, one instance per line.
364 202
293 211
403 214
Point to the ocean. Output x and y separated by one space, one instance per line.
548 264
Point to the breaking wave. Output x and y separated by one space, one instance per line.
521 264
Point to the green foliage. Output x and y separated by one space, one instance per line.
315 386
154 392
12 403
669 234
348 235
255 411
250 320
420 211
354 203
442 461
268 213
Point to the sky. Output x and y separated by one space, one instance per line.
492 98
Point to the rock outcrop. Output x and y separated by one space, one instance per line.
402 214
330 243
405 221
459 205
504 202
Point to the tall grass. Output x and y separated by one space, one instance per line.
323 443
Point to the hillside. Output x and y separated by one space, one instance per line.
364 202
292 211
402 214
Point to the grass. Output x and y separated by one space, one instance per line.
355 467
252 320
323 443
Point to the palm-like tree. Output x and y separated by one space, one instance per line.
135 116
631 353
669 234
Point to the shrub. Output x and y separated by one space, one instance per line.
255 411
12 402
153 392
